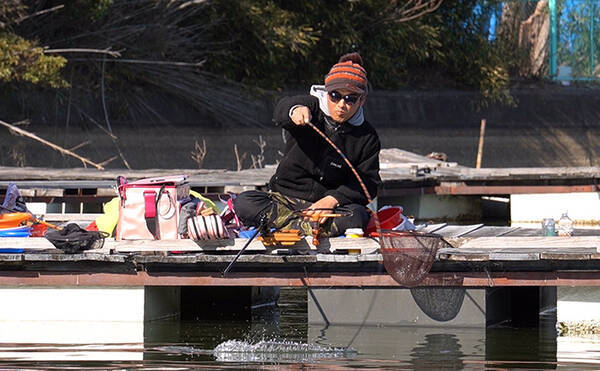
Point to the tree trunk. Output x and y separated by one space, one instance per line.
533 37
525 27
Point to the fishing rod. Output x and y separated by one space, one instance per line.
262 225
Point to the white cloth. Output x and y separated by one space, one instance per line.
320 93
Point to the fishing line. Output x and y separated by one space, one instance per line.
374 213
360 181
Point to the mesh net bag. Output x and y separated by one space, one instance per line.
73 239
408 256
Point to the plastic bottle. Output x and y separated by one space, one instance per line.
548 227
565 225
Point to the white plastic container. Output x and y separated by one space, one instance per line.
565 225
354 233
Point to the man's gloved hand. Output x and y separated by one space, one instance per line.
327 205
301 115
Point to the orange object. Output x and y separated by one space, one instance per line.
388 219
283 238
11 220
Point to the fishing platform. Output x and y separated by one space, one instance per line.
491 274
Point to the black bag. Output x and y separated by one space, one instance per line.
73 239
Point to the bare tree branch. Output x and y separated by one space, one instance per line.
19 131
143 61
239 159
409 10
112 53
257 161
199 153
80 145
109 160
21 19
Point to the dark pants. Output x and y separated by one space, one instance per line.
280 212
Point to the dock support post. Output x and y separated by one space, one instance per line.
446 307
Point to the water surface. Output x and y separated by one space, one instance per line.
280 337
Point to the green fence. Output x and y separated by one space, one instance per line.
574 45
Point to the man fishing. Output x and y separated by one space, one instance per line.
313 176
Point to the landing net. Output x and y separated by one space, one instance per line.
408 256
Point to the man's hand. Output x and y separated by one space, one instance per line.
327 204
301 115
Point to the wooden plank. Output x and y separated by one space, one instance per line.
535 250
532 242
69 217
490 231
566 255
38 173
343 245
106 192
395 157
528 231
457 230
49 192
395 170
365 245
514 256
297 279
524 232
433 228
11 258
184 245
447 254
25 243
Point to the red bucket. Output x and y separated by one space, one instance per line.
388 219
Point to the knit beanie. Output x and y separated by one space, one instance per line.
348 73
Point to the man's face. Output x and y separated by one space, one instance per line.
343 104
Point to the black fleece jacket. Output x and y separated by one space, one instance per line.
311 169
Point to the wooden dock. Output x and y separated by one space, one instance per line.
480 256
402 172
495 265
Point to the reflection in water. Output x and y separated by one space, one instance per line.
414 347
524 347
283 336
440 351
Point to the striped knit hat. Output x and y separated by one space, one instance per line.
348 73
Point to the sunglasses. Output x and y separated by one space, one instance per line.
350 99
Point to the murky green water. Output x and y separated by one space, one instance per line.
280 337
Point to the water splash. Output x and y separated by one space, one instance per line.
277 351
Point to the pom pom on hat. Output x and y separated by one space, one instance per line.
348 73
